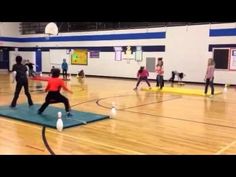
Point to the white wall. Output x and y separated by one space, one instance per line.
25 55
105 66
186 51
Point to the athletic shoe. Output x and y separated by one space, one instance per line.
68 114
39 112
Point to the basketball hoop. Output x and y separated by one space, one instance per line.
51 29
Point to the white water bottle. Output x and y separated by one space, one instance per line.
59 122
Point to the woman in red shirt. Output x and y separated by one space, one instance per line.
54 96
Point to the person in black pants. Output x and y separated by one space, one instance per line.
32 73
22 81
179 75
209 77
54 96
160 71
64 67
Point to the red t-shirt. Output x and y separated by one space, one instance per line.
144 73
55 84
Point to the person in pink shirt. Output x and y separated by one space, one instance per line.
160 71
142 75
209 78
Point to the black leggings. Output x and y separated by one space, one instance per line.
55 97
19 85
32 72
160 81
211 83
172 79
64 73
143 78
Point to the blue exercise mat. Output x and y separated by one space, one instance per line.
49 117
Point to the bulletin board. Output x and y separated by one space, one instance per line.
232 64
79 57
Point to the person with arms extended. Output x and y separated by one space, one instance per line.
54 96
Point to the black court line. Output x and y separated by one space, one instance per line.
171 99
83 102
45 142
98 102
44 128
211 99
176 118
44 131
168 117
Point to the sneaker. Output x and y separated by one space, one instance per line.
39 112
12 107
68 114
211 96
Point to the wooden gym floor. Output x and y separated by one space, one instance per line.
146 123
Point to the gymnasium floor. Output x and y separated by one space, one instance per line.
146 123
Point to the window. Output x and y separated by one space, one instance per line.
221 58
